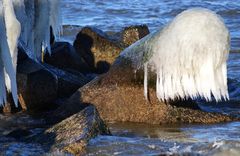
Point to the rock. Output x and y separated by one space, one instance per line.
97 49
68 81
100 49
127 104
72 134
119 96
37 86
9 106
21 55
64 56
19 133
134 33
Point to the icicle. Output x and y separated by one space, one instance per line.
2 50
28 45
196 50
41 28
55 17
3 97
21 15
5 54
146 81
13 30
188 56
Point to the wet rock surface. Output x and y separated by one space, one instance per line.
127 104
118 96
133 33
72 134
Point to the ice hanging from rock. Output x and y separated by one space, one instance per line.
40 15
10 32
188 57
25 23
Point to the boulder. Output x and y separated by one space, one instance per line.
119 100
97 49
37 86
64 56
131 34
68 81
72 134
119 95
100 49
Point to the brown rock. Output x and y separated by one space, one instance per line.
72 134
118 96
9 106
100 49
97 49
64 56
134 33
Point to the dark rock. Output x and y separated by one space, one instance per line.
134 33
37 87
95 46
64 56
52 37
21 55
72 134
19 133
68 81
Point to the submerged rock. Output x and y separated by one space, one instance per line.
72 134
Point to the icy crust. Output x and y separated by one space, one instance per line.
188 56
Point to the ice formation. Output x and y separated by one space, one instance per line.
41 14
188 56
25 22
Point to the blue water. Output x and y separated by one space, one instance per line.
113 15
